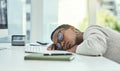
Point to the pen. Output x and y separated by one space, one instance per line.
41 43
55 54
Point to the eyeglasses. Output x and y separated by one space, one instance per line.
60 38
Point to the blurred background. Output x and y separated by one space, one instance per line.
38 18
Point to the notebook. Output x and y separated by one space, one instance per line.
37 56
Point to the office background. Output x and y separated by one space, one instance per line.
38 18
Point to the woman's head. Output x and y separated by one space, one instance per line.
66 36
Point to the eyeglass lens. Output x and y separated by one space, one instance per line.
59 47
60 38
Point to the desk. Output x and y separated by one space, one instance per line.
12 59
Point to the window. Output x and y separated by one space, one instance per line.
3 14
46 15
3 19
72 12
16 18
108 14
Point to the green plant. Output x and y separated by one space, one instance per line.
104 18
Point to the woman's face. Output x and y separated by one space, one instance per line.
65 39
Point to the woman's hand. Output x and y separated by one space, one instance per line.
72 49
51 47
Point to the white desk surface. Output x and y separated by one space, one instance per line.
12 59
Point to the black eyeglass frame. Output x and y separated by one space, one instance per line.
60 38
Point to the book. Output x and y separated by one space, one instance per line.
37 56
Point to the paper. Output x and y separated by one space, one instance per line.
43 50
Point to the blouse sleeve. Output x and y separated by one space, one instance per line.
95 43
